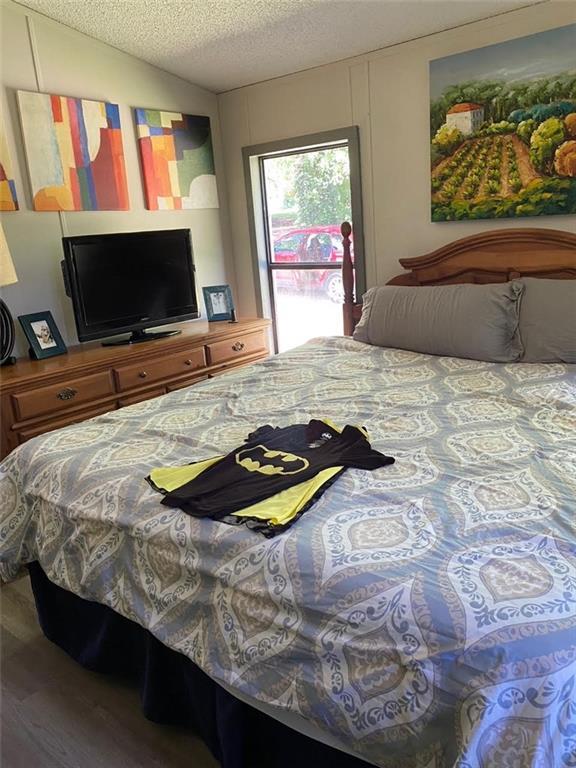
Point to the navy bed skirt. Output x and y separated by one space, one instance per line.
172 688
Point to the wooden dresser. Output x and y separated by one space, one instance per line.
37 396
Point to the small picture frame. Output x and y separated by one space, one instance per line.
218 300
43 335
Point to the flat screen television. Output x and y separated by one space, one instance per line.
130 281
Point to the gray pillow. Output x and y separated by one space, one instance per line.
473 321
548 321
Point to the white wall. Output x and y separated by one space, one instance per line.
386 94
39 54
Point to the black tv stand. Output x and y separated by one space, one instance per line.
138 337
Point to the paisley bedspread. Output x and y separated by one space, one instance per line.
423 613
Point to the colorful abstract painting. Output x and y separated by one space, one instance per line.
177 160
503 129
74 152
8 197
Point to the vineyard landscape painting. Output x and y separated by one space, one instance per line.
503 129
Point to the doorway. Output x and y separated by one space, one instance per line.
301 196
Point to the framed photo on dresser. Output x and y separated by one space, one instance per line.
43 335
218 300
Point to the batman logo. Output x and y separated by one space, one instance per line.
269 462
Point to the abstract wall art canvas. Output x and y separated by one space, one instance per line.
74 153
503 129
177 160
8 197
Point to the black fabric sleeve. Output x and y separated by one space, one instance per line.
261 433
367 460
359 453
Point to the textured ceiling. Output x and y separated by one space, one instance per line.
224 44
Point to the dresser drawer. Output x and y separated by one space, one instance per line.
159 369
62 397
240 346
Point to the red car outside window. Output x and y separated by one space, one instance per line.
310 245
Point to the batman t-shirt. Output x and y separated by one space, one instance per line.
271 460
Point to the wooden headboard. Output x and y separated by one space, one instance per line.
491 257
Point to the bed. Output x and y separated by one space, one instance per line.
419 616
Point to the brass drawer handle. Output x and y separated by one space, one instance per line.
188 362
142 374
238 346
67 393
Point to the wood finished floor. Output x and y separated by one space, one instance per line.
55 714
